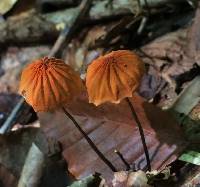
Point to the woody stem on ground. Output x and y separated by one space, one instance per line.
99 153
123 160
141 133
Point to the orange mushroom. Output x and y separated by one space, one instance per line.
113 77
48 84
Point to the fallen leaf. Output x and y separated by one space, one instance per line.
12 62
33 168
106 8
6 5
14 147
7 179
151 85
184 113
111 127
189 98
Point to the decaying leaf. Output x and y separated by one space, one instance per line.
189 98
105 8
15 146
182 110
6 5
7 179
13 61
111 127
33 168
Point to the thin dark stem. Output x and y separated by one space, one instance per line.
123 160
141 133
107 162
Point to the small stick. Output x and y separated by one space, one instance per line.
8 123
142 25
66 34
148 8
145 18
123 160
94 147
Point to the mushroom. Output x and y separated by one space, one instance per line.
48 84
113 77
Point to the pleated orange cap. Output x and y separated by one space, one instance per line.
114 76
49 83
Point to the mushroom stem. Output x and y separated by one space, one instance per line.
141 133
98 152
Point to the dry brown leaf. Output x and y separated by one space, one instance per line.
111 127
7 179
6 5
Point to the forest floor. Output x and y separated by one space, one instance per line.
166 36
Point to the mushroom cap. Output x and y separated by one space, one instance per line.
114 76
49 83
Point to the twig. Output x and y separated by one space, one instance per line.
144 19
147 7
65 36
9 121
123 160
59 42
142 25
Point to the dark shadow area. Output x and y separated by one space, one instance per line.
190 127
52 5
56 174
7 102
